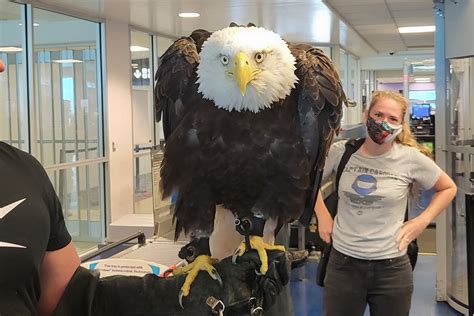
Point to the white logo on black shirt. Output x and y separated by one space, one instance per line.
7 209
4 212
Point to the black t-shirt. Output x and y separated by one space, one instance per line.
31 223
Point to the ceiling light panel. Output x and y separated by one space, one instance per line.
416 29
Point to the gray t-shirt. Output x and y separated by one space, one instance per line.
373 193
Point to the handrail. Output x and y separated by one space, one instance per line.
137 148
139 235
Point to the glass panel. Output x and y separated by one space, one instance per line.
67 100
143 119
343 64
344 79
80 190
457 259
13 88
460 117
352 77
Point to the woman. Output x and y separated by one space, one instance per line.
368 262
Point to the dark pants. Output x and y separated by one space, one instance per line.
350 284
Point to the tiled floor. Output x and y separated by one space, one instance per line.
307 296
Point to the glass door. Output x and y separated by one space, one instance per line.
460 148
143 119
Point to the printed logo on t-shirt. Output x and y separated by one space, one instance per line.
364 185
4 211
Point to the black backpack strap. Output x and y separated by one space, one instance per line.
351 147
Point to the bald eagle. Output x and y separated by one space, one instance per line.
248 119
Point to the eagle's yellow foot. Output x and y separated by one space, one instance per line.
202 262
257 243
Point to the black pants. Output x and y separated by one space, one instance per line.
350 284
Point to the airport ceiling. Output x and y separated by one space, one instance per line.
376 21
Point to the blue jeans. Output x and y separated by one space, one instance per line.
350 284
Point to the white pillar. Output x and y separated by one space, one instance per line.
118 127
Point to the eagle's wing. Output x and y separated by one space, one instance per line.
320 99
175 77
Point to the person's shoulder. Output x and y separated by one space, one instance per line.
13 152
410 151
18 156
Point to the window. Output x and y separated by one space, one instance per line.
13 87
67 134
143 119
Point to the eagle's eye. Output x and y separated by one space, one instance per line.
259 57
224 59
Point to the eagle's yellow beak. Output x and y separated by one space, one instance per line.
244 72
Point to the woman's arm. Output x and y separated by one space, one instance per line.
325 220
445 192
57 269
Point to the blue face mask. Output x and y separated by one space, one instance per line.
382 132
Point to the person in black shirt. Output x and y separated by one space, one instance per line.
37 256
40 272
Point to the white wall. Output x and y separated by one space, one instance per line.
459 26
119 123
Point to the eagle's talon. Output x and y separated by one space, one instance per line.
257 243
201 263
180 298
215 275
235 255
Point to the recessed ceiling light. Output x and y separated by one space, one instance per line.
10 49
417 29
189 15
138 49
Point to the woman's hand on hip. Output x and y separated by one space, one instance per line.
325 225
410 231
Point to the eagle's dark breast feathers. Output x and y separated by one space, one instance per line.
270 161
245 161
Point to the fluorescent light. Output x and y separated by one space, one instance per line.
417 29
189 15
10 49
66 61
138 49
419 79
423 67
34 24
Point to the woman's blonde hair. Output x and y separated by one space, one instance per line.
405 137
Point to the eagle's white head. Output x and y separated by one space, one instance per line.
245 68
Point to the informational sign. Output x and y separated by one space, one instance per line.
141 72
130 267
